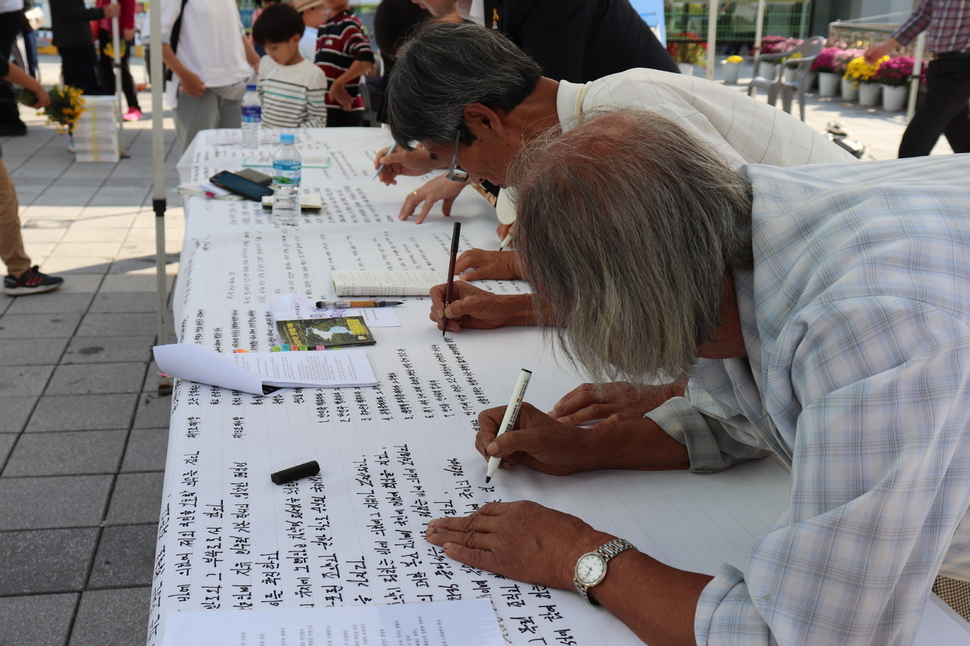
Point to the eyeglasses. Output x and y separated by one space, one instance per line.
455 173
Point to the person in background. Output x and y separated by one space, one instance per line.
394 21
252 24
126 22
572 40
344 54
292 88
71 26
944 109
314 14
213 63
11 20
822 317
22 279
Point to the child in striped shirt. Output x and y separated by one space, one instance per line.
292 88
344 54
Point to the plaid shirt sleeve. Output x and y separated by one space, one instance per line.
915 24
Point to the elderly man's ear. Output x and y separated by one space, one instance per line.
483 121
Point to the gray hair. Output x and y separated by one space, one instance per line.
627 227
447 66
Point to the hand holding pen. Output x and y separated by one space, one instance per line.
449 286
508 419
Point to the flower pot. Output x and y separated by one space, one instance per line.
828 84
686 69
850 91
869 94
768 70
894 97
732 72
789 74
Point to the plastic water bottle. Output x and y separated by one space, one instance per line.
252 114
287 169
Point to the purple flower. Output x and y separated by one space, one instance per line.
825 61
896 71
843 57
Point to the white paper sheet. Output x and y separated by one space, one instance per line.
461 623
250 372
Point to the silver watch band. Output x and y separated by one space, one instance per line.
607 552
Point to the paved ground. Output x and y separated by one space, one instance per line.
82 429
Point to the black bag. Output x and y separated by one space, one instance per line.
174 40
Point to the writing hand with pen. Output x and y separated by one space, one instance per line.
475 308
543 444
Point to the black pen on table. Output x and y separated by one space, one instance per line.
508 420
455 236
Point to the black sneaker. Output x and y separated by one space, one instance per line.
32 282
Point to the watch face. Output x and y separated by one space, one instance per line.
590 569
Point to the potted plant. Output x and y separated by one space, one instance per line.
688 52
862 73
775 45
732 69
790 70
828 78
850 89
894 76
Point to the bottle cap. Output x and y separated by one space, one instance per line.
286 138
250 88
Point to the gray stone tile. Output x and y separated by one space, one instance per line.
48 351
137 498
71 453
146 451
115 324
38 326
6 443
125 557
103 378
37 619
52 303
112 617
103 349
154 411
53 560
125 302
82 412
65 501
16 410
17 381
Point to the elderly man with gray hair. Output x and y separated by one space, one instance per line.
468 93
823 315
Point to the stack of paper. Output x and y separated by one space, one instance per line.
96 132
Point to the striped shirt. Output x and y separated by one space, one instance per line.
856 320
946 22
342 41
292 95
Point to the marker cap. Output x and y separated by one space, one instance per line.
304 470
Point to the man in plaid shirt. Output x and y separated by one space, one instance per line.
944 110
823 316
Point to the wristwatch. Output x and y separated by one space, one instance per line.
591 567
